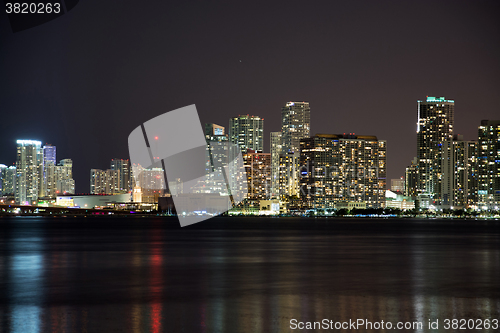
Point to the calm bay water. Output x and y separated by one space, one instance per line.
243 274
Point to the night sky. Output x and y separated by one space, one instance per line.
85 80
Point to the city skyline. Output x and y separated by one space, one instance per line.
361 65
48 151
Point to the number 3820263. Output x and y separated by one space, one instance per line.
32 8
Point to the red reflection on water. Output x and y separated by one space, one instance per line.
156 284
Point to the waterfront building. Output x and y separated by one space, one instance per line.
258 172
8 180
488 164
28 171
342 168
459 174
434 126
123 166
275 163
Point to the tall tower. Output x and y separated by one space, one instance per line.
48 161
459 175
488 164
247 132
28 171
435 126
295 125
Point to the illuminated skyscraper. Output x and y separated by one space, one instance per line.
124 167
295 125
247 132
459 174
488 164
342 168
275 163
411 178
435 126
258 171
105 181
28 171
7 180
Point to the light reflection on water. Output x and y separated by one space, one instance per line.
151 276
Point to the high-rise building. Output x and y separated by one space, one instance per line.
337 169
247 132
105 181
59 178
411 179
288 175
435 125
275 163
28 171
65 183
295 125
258 171
488 164
49 153
123 166
7 180
459 175
218 158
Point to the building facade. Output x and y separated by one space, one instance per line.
247 132
435 125
459 175
258 172
123 166
28 171
295 125
342 168
275 150
488 164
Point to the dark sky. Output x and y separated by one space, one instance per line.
84 81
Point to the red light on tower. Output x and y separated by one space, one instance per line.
156 138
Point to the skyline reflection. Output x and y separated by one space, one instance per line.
248 275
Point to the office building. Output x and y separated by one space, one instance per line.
247 132
488 164
435 125
28 171
337 169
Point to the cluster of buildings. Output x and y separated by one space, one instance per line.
449 172
36 176
301 172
